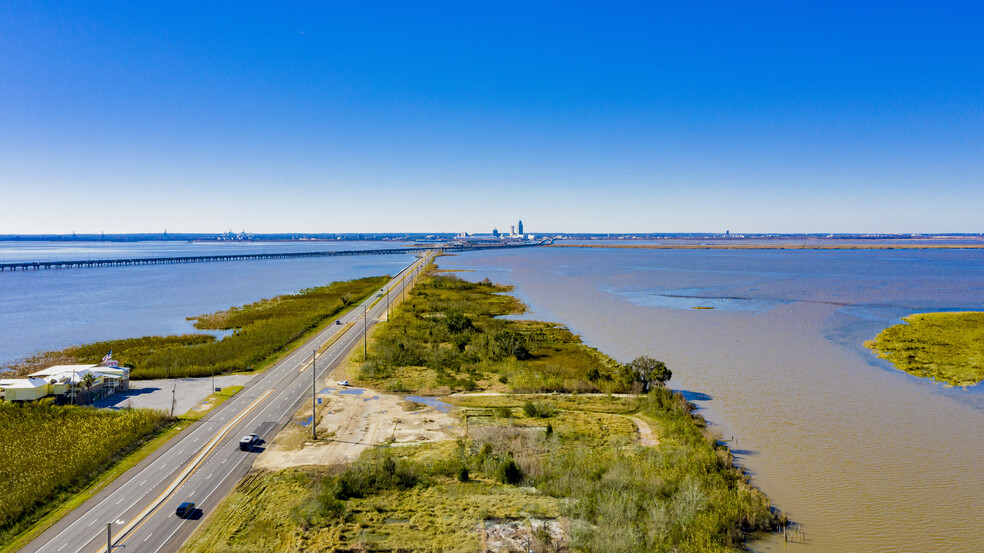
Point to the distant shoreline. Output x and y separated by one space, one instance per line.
775 246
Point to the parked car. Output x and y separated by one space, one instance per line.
248 442
185 509
342 383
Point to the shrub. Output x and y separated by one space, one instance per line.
509 472
502 412
539 409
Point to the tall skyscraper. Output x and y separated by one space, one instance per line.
521 226
512 230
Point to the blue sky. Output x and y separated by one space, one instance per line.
423 116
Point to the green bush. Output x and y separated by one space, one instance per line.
539 409
509 472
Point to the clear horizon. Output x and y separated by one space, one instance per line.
817 118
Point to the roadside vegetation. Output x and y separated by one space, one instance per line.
260 331
49 453
448 336
948 347
567 472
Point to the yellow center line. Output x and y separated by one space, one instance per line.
138 520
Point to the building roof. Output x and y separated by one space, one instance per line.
23 383
59 369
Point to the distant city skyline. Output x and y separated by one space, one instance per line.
775 117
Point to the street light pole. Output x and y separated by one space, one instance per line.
109 537
314 387
365 329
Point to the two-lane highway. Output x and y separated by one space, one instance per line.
204 462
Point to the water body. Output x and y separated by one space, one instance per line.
864 457
50 309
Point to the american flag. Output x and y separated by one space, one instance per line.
109 356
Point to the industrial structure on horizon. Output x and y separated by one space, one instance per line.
515 235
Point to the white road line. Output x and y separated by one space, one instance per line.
148 537
62 547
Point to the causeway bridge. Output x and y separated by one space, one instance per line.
123 261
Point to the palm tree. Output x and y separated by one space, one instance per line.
87 382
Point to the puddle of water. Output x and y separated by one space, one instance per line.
352 391
306 422
435 403
327 391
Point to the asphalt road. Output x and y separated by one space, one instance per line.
204 463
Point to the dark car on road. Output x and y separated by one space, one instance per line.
185 509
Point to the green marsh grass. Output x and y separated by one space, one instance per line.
947 347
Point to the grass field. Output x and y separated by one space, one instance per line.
260 332
948 347
48 453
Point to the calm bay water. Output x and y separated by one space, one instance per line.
51 309
864 457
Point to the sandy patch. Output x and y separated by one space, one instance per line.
352 420
646 436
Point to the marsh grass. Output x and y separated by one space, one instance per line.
947 347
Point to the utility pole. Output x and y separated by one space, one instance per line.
387 305
109 537
174 390
314 388
365 329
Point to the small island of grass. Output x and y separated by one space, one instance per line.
948 347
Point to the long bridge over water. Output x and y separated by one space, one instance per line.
122 261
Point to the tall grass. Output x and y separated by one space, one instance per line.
47 450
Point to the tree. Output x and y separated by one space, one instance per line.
649 372
457 321
87 382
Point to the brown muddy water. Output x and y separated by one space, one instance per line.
863 457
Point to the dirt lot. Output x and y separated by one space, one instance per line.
351 420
